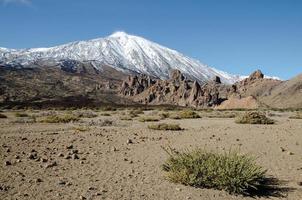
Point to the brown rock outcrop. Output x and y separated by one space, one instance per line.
177 91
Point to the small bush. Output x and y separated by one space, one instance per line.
105 114
3 116
148 119
188 114
174 116
298 115
164 115
82 128
108 108
136 112
231 171
85 113
60 119
254 118
18 114
166 127
222 115
101 122
23 120
126 118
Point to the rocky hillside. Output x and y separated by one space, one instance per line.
250 93
62 84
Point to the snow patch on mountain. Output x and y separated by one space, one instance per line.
123 52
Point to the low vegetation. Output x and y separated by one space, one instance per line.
105 114
232 172
254 117
297 115
166 127
186 114
164 115
2 116
18 114
221 115
82 128
126 118
85 113
148 119
60 119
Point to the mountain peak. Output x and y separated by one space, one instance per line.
124 52
119 34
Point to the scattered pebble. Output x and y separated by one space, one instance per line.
52 164
7 163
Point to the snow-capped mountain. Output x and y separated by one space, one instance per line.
123 52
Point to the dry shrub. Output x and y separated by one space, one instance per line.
148 119
84 113
2 116
18 114
297 115
188 114
254 118
166 127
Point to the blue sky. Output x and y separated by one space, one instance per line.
237 36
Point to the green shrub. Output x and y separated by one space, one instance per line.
231 171
18 114
60 119
3 116
166 127
148 119
254 118
188 114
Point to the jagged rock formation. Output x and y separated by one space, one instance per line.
177 90
252 92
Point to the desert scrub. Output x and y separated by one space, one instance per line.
18 114
3 116
82 128
188 114
222 115
60 119
232 172
126 118
254 118
297 115
108 108
164 115
84 113
165 127
136 112
105 114
148 119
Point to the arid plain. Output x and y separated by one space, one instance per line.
114 155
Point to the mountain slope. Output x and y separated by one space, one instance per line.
128 53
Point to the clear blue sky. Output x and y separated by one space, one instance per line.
237 36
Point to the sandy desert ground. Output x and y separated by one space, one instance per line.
109 158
